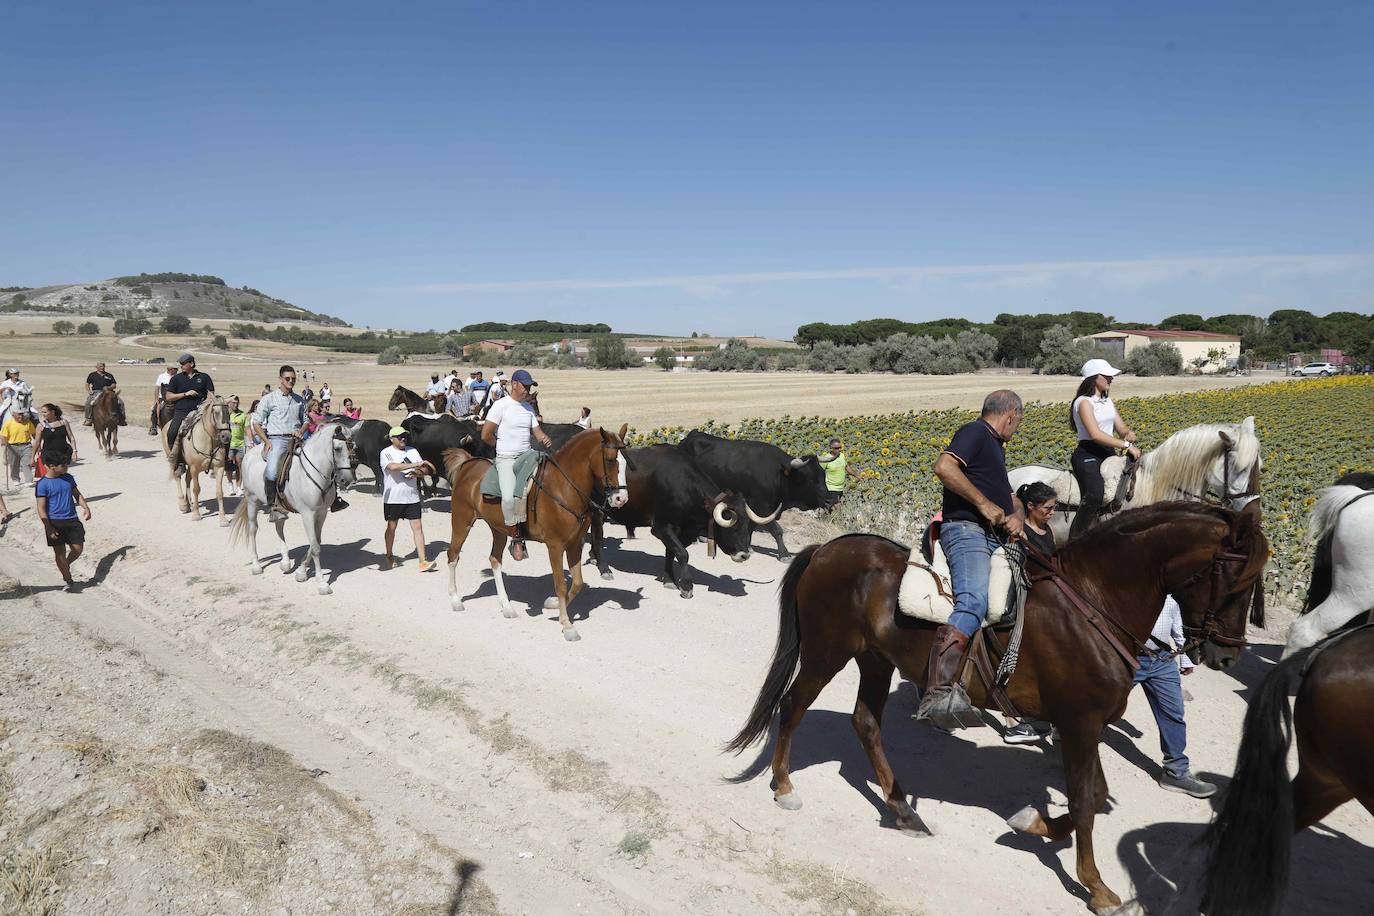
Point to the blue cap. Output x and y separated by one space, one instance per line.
523 377
186 358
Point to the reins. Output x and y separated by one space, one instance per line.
592 506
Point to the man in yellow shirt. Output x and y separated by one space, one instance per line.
837 472
18 434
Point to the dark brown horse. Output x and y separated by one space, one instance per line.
404 397
1332 716
838 602
105 420
567 492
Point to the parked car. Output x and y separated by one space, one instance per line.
1322 369
129 361
156 361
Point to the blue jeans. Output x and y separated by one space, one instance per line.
968 547
277 447
1163 685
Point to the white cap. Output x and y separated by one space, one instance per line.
1098 367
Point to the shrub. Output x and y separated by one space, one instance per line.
1159 358
391 356
175 324
220 342
665 359
789 359
610 353
451 345
63 327
88 328
132 326
826 357
1060 354
525 354
735 356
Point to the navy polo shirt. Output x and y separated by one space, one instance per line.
983 459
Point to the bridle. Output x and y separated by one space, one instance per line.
220 439
319 478
1210 631
614 448
1227 497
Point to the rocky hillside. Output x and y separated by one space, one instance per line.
156 295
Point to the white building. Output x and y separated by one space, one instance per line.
1213 350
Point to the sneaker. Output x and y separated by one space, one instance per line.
426 565
1020 733
338 504
1188 784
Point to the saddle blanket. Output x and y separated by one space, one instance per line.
525 466
926 592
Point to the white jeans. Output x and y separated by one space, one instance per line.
512 506
19 462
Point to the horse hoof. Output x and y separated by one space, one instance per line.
789 802
185 510
1024 820
571 635
551 603
224 522
301 575
608 575
508 611
685 592
256 570
326 590
456 603
909 822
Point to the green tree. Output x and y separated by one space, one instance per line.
1184 321
391 356
175 324
610 353
63 327
1159 358
665 358
132 326
88 328
220 342
1060 354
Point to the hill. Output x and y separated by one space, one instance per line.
156 295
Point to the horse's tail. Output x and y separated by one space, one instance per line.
1247 860
785 656
238 528
1321 525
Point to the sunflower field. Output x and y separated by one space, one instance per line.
1310 431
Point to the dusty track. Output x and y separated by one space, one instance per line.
597 759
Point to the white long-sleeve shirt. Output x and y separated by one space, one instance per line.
1169 630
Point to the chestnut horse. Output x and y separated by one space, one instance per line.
404 397
105 420
838 601
564 499
1249 840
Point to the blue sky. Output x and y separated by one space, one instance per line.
724 167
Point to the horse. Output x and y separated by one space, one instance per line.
1203 462
838 601
204 450
323 466
415 403
1249 841
105 420
1342 584
561 507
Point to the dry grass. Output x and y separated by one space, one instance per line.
29 880
91 750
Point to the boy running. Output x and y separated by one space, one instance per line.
58 497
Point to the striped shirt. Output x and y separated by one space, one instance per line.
280 414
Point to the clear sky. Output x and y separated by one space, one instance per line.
737 167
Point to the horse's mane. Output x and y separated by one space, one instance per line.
1183 463
1142 520
1330 502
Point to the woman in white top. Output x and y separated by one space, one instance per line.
1101 431
510 423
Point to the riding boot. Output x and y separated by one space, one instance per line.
944 703
273 508
1083 519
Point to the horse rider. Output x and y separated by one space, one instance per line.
436 386
186 391
15 394
459 403
159 397
281 417
1101 431
508 428
96 382
977 503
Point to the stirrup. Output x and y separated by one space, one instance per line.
948 707
517 545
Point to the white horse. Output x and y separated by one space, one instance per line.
321 468
1210 461
1342 524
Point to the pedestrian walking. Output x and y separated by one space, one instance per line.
58 497
1159 676
18 433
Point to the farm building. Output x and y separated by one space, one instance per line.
1214 349
489 346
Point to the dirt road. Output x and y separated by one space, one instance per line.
467 755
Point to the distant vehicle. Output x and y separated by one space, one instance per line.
156 361
129 361
1322 369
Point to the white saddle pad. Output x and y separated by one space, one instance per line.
926 592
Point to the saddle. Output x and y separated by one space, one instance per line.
926 592
1118 479
525 467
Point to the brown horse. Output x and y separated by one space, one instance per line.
838 602
1249 840
404 397
204 450
566 489
105 420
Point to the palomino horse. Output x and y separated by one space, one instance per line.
839 602
1342 586
1208 462
404 397
204 450
105 420
561 506
1249 840
324 465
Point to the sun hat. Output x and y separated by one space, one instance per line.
523 377
185 358
1098 367
397 431
11 371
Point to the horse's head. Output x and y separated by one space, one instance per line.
1234 480
1216 593
613 473
219 414
345 458
398 398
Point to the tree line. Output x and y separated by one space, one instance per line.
538 326
169 277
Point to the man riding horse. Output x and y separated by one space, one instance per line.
96 382
187 390
281 418
977 503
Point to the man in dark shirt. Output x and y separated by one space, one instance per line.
187 390
978 502
97 382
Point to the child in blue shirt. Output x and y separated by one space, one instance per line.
58 498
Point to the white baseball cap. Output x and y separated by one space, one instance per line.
1098 367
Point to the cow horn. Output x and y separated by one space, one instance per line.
763 520
723 516
798 462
